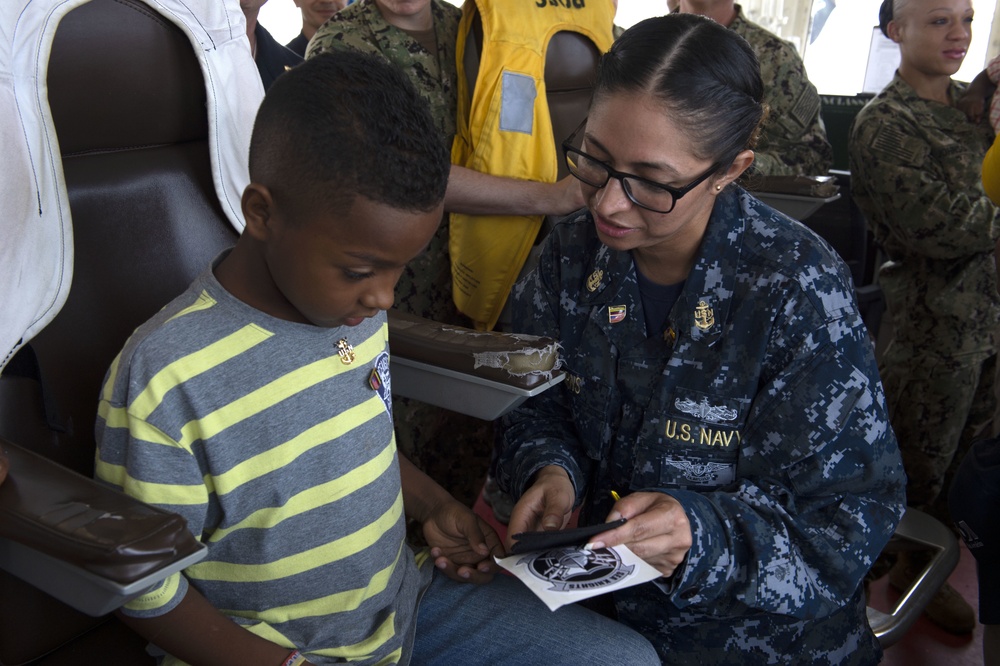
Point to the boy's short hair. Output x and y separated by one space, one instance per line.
346 124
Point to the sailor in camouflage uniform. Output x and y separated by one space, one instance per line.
425 286
452 448
744 425
915 172
793 139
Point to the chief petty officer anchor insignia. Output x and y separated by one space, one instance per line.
704 316
346 351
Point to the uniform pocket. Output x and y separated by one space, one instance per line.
591 405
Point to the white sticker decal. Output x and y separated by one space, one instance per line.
566 575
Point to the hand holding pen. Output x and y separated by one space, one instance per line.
657 529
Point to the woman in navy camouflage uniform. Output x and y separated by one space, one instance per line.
720 378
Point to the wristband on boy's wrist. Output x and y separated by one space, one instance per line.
294 658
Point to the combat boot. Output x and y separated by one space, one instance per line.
947 609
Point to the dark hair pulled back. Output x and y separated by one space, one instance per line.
885 16
706 76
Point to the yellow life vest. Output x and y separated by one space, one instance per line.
991 171
504 130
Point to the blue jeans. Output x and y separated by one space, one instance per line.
502 622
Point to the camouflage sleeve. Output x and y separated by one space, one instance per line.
793 140
541 431
821 484
337 35
934 208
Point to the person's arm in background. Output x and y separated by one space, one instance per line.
973 102
476 193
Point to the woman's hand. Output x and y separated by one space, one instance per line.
546 505
462 544
657 530
972 102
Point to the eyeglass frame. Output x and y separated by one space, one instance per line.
675 192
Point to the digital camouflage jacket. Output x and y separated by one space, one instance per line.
759 409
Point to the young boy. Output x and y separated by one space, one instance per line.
258 406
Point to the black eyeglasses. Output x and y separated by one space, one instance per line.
644 193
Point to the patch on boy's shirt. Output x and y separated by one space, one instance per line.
380 380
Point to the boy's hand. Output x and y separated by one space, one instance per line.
546 505
462 544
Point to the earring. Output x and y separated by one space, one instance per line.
718 187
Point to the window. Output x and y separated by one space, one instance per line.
833 35
836 56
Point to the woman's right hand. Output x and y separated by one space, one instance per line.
546 505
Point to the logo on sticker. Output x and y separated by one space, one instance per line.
576 569
381 382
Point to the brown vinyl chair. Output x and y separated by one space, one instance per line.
128 101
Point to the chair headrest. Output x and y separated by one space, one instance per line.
104 102
37 251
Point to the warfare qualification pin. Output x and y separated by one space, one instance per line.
594 281
704 316
346 351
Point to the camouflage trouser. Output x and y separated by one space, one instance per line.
451 448
424 287
937 407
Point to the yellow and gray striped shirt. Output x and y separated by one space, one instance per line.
281 457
